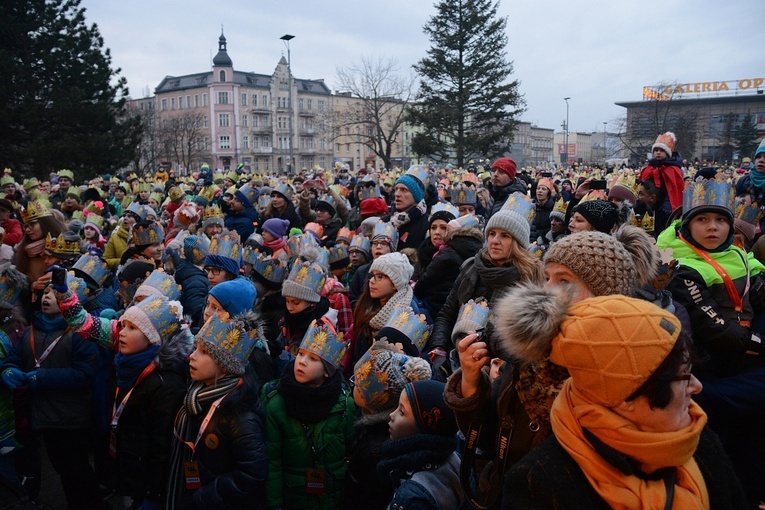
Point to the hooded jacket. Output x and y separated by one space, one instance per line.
500 194
195 288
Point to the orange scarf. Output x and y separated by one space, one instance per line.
572 411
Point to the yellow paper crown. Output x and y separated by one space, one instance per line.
61 245
34 211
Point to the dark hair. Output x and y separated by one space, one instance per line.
658 388
650 187
49 225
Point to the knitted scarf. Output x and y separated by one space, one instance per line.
400 219
573 416
309 404
400 299
758 178
130 366
496 277
414 453
276 244
35 248
198 400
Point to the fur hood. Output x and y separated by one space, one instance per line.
528 318
473 232
174 351
642 247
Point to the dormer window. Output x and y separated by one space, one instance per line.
223 76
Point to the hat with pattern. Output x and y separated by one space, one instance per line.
305 281
225 252
320 340
155 317
195 249
227 343
159 283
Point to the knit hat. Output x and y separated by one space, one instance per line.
225 252
235 296
622 193
513 223
612 345
601 214
607 264
373 207
665 142
227 343
406 328
473 315
760 149
431 414
195 249
305 281
381 374
413 185
277 227
395 266
160 284
443 211
507 165
155 317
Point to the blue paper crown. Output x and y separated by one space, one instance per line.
473 315
195 248
164 283
284 189
370 192
161 313
521 204
78 286
250 256
227 338
446 207
388 231
92 268
297 243
227 245
250 193
308 275
321 341
748 213
256 238
421 173
337 253
151 234
323 258
137 209
464 195
414 326
467 221
360 243
264 200
328 200
270 268
705 193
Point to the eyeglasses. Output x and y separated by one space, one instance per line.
379 243
685 376
31 225
378 277
215 271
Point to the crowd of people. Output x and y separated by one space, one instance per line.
435 338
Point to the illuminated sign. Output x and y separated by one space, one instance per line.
666 92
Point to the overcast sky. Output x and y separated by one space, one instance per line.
596 52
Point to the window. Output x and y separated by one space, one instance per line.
222 76
204 100
245 121
254 100
255 142
245 142
164 105
255 120
180 102
188 101
347 147
320 105
172 103
266 141
200 144
300 104
244 99
224 142
196 100
310 104
337 147
206 122
223 120
222 97
265 101
281 122
323 146
207 143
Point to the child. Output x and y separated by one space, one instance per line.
152 347
309 426
274 230
420 457
219 429
92 233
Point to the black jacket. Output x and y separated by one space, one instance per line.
541 224
195 287
500 194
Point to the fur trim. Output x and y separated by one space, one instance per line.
252 322
642 247
528 317
174 351
370 420
464 231
14 278
625 213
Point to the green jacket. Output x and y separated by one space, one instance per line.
289 454
118 243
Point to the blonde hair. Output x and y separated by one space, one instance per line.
530 267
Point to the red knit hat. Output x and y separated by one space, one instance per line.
373 207
507 165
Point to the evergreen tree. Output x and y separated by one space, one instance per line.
465 106
746 136
61 103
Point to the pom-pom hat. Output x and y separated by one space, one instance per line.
277 227
156 317
665 142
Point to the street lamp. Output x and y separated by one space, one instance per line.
287 38
565 149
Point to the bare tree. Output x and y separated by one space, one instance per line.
377 117
147 154
182 139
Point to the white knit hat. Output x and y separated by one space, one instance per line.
395 266
511 222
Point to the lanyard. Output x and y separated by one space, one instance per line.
117 411
46 352
205 422
730 287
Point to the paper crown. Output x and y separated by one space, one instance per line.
227 245
370 192
473 315
92 268
308 275
464 195
705 193
34 211
74 191
667 266
596 194
749 213
421 173
132 176
79 215
270 268
143 186
255 238
446 207
264 200
521 204
360 243
337 253
646 221
227 343
627 181
328 200
386 231
137 209
162 315
208 192
174 193
95 220
212 211
60 246
7 179
31 183
164 284
66 173
232 176
195 248
297 243
405 321
321 341
466 221
284 189
148 234
12 282
344 234
78 286
560 206
250 193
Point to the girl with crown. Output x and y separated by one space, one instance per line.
38 223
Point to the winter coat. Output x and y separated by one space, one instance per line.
289 213
425 253
413 233
308 215
232 453
541 224
115 247
195 287
500 195
330 232
549 478
358 283
289 453
366 488
436 282
13 232
243 221
60 399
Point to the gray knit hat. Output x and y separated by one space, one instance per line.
305 281
395 266
513 223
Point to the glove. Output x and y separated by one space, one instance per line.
14 378
32 379
58 279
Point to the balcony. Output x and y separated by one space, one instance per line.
306 113
261 109
262 129
263 150
307 130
